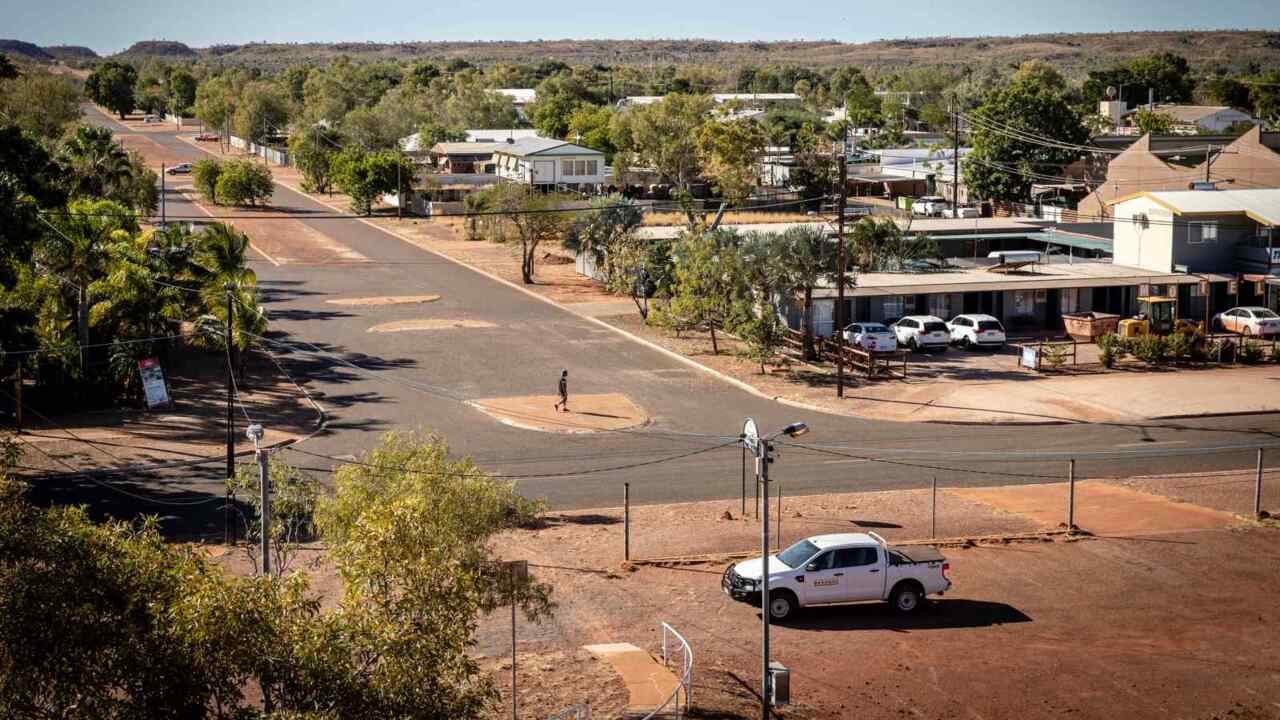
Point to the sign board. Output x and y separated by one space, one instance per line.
751 437
1030 358
1233 287
1275 256
153 382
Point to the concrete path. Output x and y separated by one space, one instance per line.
649 684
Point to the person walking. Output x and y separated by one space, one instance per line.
563 403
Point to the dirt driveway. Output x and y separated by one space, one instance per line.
1171 624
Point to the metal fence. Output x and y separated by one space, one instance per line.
677 703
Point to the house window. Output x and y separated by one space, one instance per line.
940 305
593 167
566 167
1200 233
1069 300
893 306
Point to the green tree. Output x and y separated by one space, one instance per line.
367 176
204 176
729 152
1151 122
182 91
558 97
312 152
763 272
216 100
410 532
8 71
1040 74
1164 76
536 218
244 182
805 257
41 103
1264 94
708 288
261 112
883 246
111 85
98 167
592 126
1002 164
601 232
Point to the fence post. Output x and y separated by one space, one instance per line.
626 522
933 532
1257 488
1071 495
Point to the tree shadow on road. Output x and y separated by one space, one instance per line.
936 615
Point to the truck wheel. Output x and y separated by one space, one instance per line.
906 598
781 605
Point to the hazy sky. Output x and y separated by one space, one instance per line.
111 25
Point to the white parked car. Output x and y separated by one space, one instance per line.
976 331
151 119
920 332
1257 321
871 336
961 212
841 568
929 206
180 169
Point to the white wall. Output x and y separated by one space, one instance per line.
1150 248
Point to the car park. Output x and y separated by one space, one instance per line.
840 568
976 331
180 169
922 332
871 336
1256 321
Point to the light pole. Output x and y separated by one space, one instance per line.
761 449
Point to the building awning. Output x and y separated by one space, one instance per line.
1081 242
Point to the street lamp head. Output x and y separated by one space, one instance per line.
795 429
255 432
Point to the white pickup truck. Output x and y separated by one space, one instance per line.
841 568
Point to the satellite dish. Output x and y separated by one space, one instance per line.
1111 92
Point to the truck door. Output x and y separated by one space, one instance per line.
822 582
863 573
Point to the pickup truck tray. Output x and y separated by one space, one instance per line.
917 553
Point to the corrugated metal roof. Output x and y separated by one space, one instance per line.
1263 206
466 148
538 145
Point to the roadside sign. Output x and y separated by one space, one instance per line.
751 437
1029 358
153 385
1233 288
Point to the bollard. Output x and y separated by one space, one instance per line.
1071 495
1257 488
933 531
626 522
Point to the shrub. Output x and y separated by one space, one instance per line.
243 182
1251 353
1112 348
204 175
1150 349
1053 356
1180 346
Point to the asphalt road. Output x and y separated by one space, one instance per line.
418 379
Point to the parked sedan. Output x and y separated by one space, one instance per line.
976 331
1257 321
871 336
180 169
920 332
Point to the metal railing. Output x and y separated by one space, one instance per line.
684 681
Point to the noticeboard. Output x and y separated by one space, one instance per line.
153 385
1030 358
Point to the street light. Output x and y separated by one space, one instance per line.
760 448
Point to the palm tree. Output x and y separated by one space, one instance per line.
805 258
219 266
96 164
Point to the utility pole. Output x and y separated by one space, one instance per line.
955 161
399 184
840 271
162 194
255 433
1208 161
762 472
231 418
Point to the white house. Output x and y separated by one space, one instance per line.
547 163
1202 230
520 97
1190 119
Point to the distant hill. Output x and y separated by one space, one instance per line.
1073 53
71 52
26 50
160 49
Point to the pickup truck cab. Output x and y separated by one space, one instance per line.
841 568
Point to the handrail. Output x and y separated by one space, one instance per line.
683 682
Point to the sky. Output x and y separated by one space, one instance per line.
108 26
